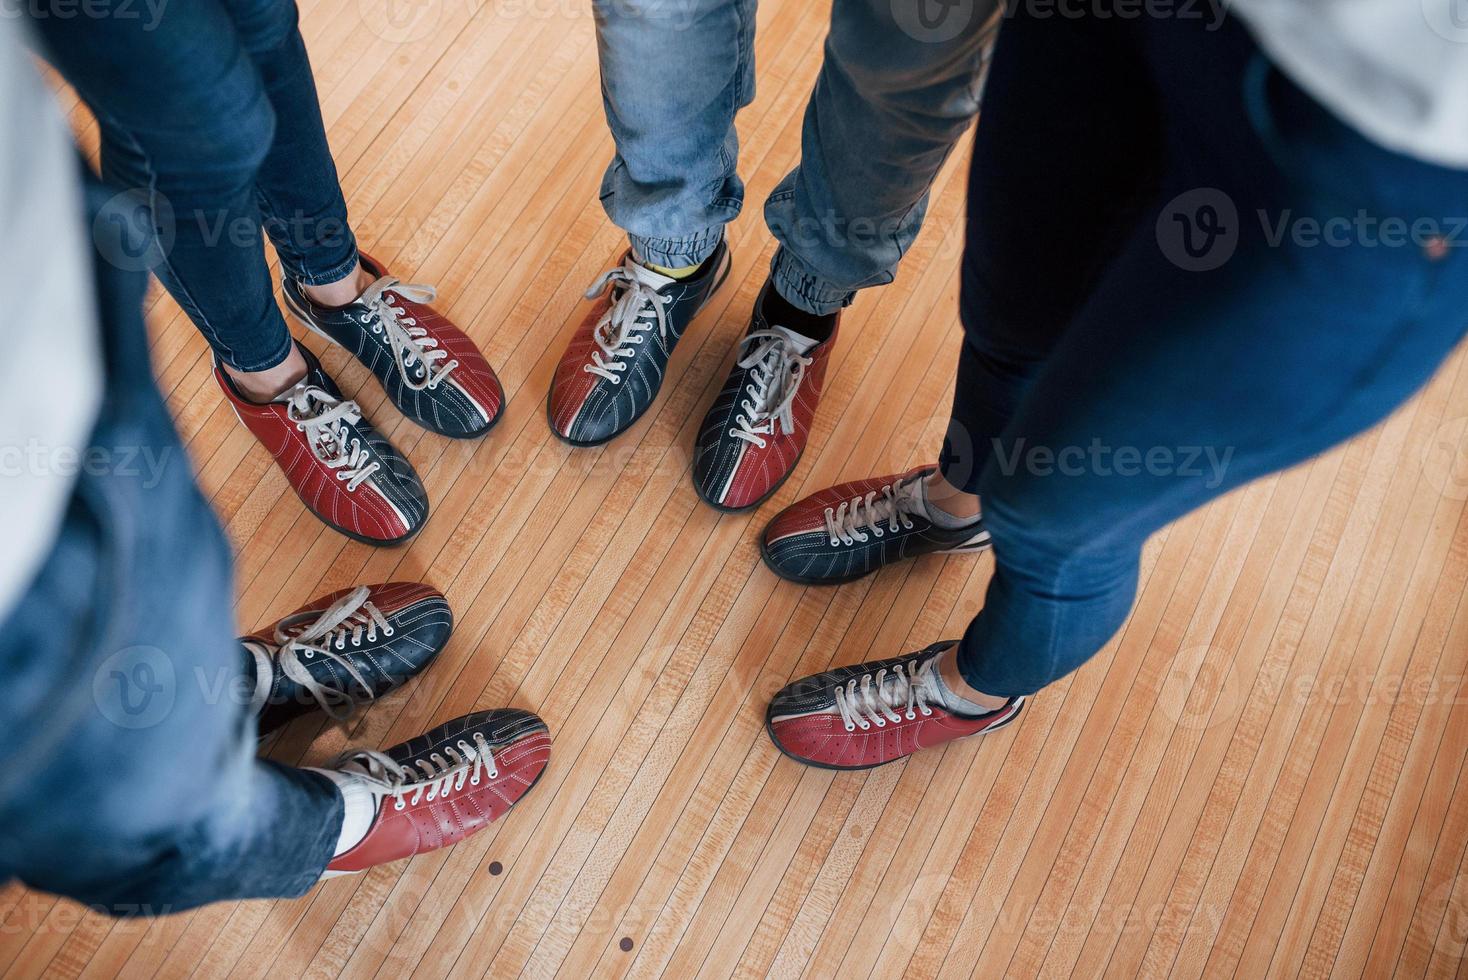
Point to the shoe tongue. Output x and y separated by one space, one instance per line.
298 389
801 343
651 276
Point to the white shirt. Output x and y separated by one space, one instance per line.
51 373
1397 70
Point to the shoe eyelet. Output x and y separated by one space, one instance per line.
474 781
307 655
399 805
851 728
882 724
907 525
865 726
834 542
927 712
388 631
911 716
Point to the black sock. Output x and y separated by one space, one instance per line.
778 311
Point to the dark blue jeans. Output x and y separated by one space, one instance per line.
1181 274
128 777
211 128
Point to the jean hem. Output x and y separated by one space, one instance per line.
677 253
975 679
275 358
804 289
333 273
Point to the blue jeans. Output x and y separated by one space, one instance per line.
210 125
1181 274
894 95
128 777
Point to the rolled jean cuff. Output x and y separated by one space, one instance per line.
803 288
677 253
333 267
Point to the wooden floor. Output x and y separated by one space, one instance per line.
1263 774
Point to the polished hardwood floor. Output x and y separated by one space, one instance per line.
1262 775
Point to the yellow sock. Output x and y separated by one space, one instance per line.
682 272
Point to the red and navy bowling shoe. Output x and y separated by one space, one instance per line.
844 532
342 468
345 649
439 788
872 713
613 368
756 430
429 368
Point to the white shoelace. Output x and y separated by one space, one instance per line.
778 370
411 343
447 772
345 622
636 308
324 419
905 691
860 517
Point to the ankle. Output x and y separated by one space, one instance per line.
269 384
334 295
779 311
953 680
952 501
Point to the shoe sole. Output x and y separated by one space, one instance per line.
305 321
550 415
968 549
770 731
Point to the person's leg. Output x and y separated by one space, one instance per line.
892 99
128 779
185 125
296 183
1067 149
1216 350
673 76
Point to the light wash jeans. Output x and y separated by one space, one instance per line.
899 85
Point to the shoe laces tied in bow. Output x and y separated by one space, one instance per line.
777 369
420 360
325 421
637 307
341 625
